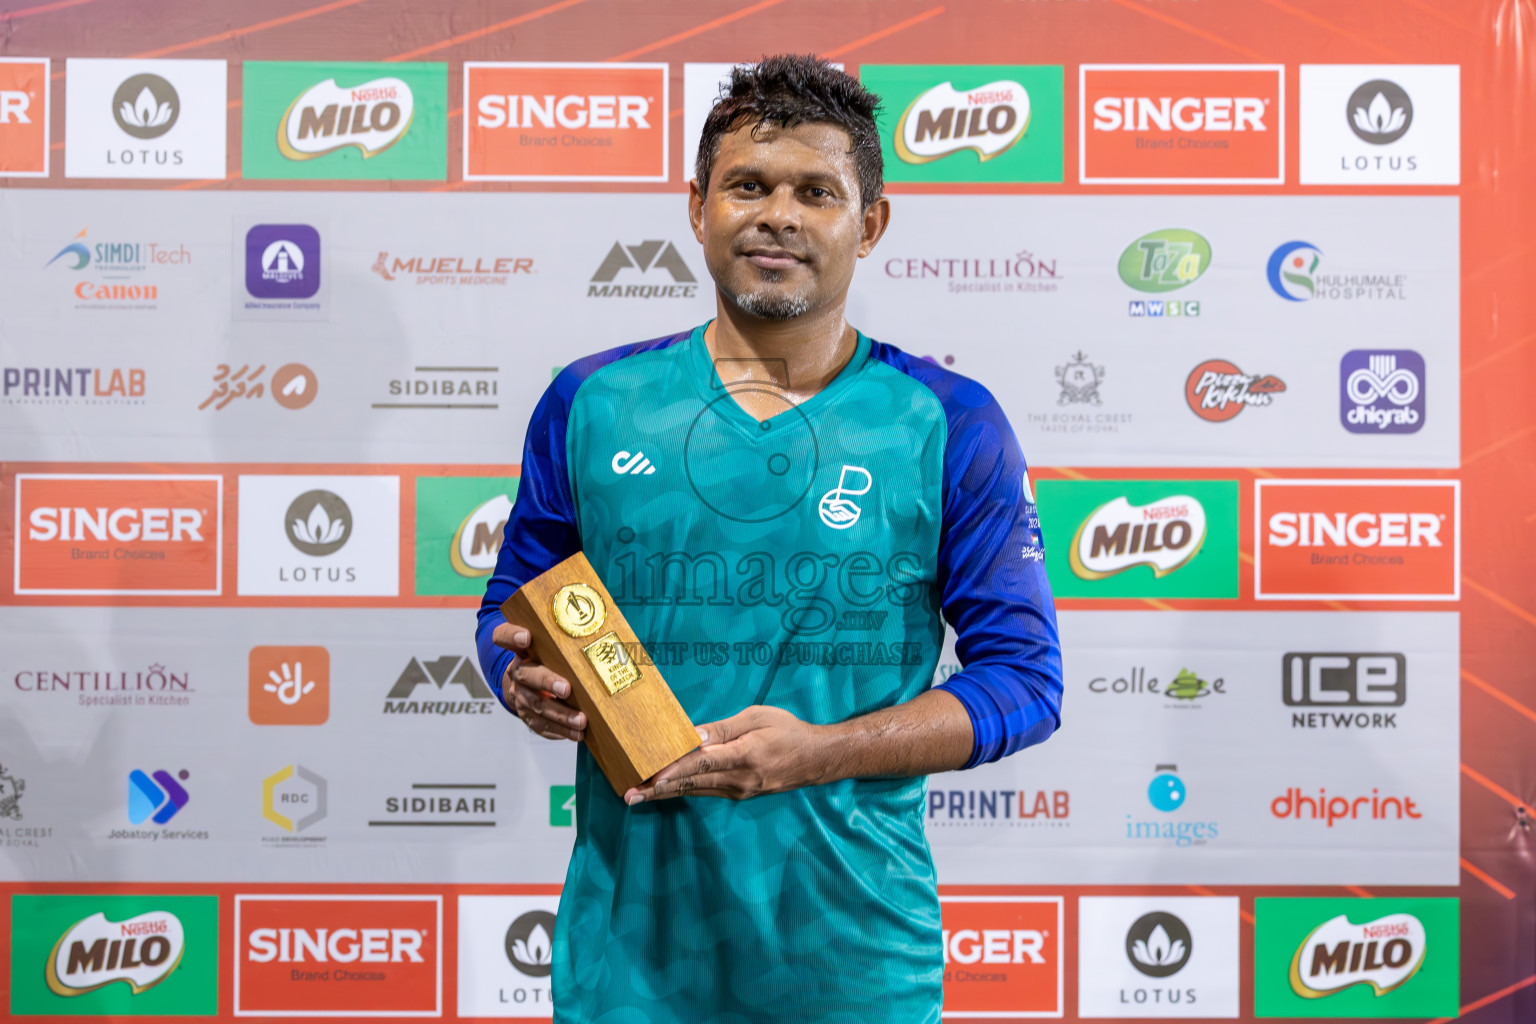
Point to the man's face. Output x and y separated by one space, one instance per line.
781 222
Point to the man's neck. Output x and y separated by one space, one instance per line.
766 363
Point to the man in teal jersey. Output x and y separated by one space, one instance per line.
787 511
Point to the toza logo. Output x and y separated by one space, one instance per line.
1380 111
1217 390
836 508
1158 944
633 465
530 942
1383 953
158 798
318 523
1163 535
1165 261
146 106
371 117
141 951
987 120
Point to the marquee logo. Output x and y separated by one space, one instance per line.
24 114
987 120
1382 391
469 694
1164 535
1002 955
1217 390
650 255
371 117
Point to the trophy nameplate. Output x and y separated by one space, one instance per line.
635 726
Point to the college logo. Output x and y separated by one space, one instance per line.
349 120
506 955
1015 808
289 685
1381 391
1173 956
460 521
474 697
1002 955
338 956
441 805
1343 958
969 122
565 122
1166 794
1294 804
1333 681
445 387
1391 124
648 256
319 535
1217 390
157 798
102 955
1384 540
89 385
118 534
24 112
1185 690
1181 124
145 118
293 798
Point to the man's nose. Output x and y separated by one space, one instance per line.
780 211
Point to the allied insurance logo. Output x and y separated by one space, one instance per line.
24 110
345 120
969 122
1002 956
338 956
565 122
118 534
1380 540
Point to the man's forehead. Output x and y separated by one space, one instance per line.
806 142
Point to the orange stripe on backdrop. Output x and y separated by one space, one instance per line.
1498 694
1489 999
234 176
1438 15
889 30
1489 449
1498 354
260 26
1502 602
481 33
1201 890
1492 787
1184 26
1360 892
1329 26
699 29
1487 879
27 12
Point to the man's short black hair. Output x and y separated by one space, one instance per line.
794 89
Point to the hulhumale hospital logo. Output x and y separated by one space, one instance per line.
1292 271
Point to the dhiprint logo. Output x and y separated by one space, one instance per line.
1217 390
1294 804
1292 270
1380 112
1164 535
318 523
506 954
633 465
293 798
1346 681
530 943
146 106
24 116
1384 124
648 256
836 508
145 118
1158 945
1158 956
1079 380
289 685
157 798
475 698
987 120
1382 391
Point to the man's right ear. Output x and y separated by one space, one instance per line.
696 209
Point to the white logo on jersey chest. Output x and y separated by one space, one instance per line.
837 509
637 464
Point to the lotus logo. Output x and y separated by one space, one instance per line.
326 117
530 943
477 541
1158 944
1380 112
987 120
1383 954
140 952
1164 535
318 523
1165 261
146 106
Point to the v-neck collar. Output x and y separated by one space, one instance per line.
711 388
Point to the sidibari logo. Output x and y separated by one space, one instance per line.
324 118
987 120
477 542
146 106
141 952
1217 390
1163 535
1380 111
1165 261
530 943
1383 953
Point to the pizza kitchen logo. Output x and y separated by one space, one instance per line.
1216 390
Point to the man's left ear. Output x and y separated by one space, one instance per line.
876 219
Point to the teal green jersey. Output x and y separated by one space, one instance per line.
807 562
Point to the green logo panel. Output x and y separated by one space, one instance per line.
345 120
459 523
1140 538
968 122
1344 959
114 955
562 806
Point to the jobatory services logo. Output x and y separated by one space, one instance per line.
1160 262
1350 958
565 122
957 123
1347 691
99 955
73 385
24 113
289 685
117 275
1382 391
145 118
456 271
294 799
1181 124
1185 690
1381 124
1383 540
999 808
449 685
338 956
156 796
1002 955
1169 956
506 956
319 535
345 120
460 521
1216 390
1168 825
439 805
656 260
294 385
444 387
118 534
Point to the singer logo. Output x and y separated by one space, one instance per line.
565 122
23 117
104 534
1182 124
1002 956
1385 540
341 956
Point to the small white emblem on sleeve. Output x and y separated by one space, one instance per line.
632 465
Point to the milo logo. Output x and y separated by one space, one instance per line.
477 541
943 120
1117 535
1382 953
141 952
372 117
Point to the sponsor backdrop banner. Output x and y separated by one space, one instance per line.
279 291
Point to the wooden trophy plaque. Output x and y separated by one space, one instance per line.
635 726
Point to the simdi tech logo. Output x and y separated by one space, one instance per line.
1380 124
565 122
24 112
954 123
1380 540
345 120
460 521
118 534
1181 124
99 955
1158 956
145 118
1002 956
1352 958
338 956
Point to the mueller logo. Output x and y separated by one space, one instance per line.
1002 955
1337 954
1339 683
650 256
451 270
140 952
1016 807
338 956
1117 535
325 117
477 542
1381 391
1389 540
118 534
437 675
1217 390
987 120
1220 124
24 109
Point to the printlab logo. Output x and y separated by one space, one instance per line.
318 523
11 789
837 509
1337 684
1382 391
1380 112
146 106
438 674
293 385
1217 390
158 797
530 943
653 255
293 798
289 685
1079 380
67 385
1158 945
1015 808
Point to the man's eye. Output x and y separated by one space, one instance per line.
748 186
819 193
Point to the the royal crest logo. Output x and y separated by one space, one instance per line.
988 120
11 789
1163 535
326 117
1079 381
141 952
1383 953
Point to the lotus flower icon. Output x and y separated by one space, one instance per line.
1380 117
530 945
1158 944
1380 112
1158 950
146 106
536 949
318 522
145 111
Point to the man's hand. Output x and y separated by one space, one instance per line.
761 750
538 696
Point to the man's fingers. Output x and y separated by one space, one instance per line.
510 637
553 710
732 784
727 729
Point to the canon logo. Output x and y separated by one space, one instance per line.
563 112
1188 113
341 945
994 946
1363 529
121 524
